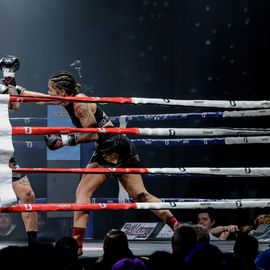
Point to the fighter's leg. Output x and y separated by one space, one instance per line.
88 184
134 185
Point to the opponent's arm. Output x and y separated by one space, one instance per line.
12 91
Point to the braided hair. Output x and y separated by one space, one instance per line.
65 80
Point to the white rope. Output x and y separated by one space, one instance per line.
247 140
202 132
217 204
233 104
246 113
229 171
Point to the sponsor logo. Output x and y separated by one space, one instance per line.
166 100
171 132
232 103
111 157
102 205
28 207
138 231
172 204
29 144
198 101
238 204
28 130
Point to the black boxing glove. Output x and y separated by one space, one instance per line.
57 141
9 64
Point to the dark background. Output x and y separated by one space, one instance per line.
178 49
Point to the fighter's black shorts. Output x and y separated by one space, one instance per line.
14 165
116 151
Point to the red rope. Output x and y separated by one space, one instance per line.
64 99
66 207
68 130
80 170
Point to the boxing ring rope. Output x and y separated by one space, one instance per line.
172 116
201 203
176 116
184 171
204 141
172 142
192 115
234 104
172 132
217 204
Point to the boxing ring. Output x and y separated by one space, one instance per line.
174 137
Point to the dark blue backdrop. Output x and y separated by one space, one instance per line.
182 49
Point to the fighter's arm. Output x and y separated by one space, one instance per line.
26 92
85 112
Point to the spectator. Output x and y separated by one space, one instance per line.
245 252
262 219
67 248
115 248
260 227
205 256
183 240
8 229
202 234
206 217
6 224
262 260
129 264
160 260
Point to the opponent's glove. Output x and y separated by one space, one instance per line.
56 141
9 64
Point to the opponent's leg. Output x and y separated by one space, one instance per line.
134 185
24 192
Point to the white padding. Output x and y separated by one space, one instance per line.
7 195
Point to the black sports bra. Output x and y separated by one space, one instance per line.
101 118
